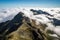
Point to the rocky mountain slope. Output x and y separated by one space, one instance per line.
30 25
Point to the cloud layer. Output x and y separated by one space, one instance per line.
48 16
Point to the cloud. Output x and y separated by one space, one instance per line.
8 14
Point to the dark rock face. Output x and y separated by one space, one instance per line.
56 22
16 22
39 12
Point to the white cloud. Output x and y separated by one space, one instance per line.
7 14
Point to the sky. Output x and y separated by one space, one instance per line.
30 3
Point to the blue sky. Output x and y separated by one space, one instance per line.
29 3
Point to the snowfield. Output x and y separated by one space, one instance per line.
48 16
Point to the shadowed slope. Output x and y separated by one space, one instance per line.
11 25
